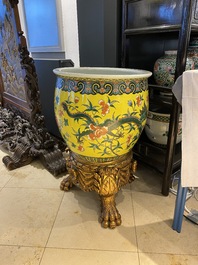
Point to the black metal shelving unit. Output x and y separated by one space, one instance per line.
148 28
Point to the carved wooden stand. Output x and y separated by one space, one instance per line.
105 178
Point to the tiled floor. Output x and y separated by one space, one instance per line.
42 225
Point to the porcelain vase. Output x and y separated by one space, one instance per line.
164 68
193 51
101 113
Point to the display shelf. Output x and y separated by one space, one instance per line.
154 155
160 88
148 29
154 16
157 29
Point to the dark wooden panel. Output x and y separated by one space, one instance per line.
149 13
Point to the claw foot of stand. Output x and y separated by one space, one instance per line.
66 183
110 216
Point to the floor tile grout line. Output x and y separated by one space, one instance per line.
94 249
4 186
135 226
45 247
77 249
168 253
55 218
31 188
20 246
102 250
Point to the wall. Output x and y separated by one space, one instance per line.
91 31
70 30
68 13
99 23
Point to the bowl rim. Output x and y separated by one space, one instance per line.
121 73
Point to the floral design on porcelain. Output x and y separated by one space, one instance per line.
164 68
193 50
101 124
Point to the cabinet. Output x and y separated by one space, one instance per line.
149 28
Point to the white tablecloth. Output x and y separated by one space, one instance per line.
185 90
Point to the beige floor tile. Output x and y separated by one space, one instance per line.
34 212
20 255
153 218
167 259
2 152
148 180
85 257
34 176
77 224
127 187
27 215
5 175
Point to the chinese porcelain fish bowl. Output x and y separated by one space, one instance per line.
101 113
157 127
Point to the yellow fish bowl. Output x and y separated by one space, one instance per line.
101 113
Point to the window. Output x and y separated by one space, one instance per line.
43 25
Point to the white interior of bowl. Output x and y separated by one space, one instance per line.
102 72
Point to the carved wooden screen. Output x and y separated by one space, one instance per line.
23 132
18 80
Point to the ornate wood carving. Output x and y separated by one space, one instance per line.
14 2
23 131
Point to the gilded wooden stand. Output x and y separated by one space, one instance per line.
106 178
